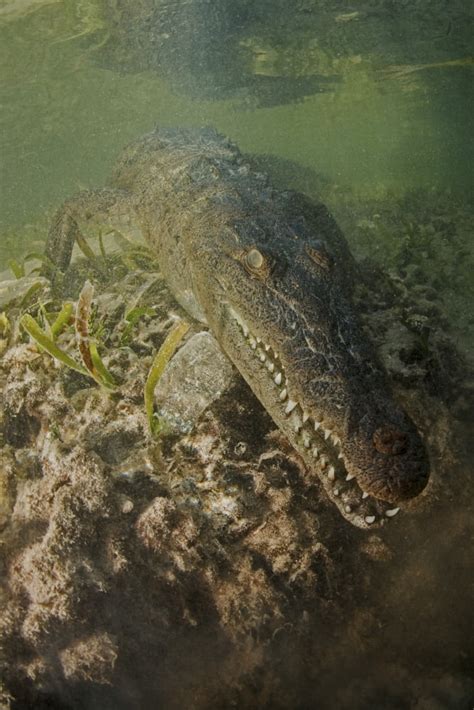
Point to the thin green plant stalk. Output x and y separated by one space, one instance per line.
5 326
132 319
42 258
100 370
101 245
85 248
46 323
89 253
87 348
34 330
140 293
17 269
162 357
32 291
62 319
81 323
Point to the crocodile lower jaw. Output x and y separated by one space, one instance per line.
319 446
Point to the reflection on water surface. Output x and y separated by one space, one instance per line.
364 97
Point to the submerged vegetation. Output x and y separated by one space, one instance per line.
47 344
163 356
93 365
58 327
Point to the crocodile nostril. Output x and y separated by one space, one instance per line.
390 441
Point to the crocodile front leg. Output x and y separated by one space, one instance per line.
106 207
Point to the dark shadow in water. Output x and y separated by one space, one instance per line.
275 52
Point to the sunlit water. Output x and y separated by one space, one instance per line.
378 104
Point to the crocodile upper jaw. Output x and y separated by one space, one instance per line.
320 447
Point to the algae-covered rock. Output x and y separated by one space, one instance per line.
197 375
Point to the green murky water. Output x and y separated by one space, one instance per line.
362 95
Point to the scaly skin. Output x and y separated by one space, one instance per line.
271 275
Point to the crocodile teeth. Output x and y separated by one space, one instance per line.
297 425
269 359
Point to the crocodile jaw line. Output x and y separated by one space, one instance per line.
319 446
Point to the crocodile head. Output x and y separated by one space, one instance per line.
281 309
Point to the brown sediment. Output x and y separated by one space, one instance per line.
205 568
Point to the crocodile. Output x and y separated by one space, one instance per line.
270 274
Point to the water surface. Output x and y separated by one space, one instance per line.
375 99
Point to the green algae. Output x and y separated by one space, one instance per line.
132 318
47 344
62 319
87 347
93 365
100 372
163 356
5 325
17 269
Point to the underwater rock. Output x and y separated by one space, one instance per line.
197 375
90 659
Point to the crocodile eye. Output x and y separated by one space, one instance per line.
255 260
